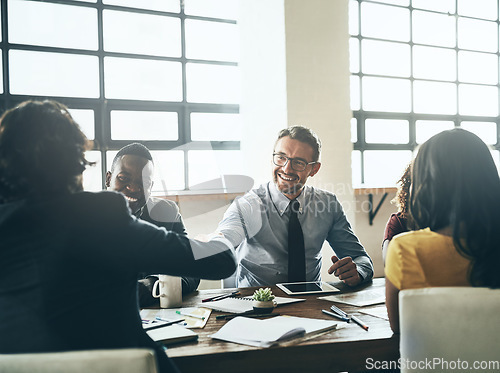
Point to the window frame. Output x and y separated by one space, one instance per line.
361 115
103 106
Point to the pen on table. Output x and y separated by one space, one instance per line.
168 322
231 315
336 315
221 296
338 311
359 322
190 315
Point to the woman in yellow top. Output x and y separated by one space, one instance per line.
455 198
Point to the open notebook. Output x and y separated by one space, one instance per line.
266 333
244 304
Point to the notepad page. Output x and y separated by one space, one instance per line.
265 333
239 305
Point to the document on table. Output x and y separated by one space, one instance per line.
266 333
243 304
380 312
366 297
198 319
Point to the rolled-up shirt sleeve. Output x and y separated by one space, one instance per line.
345 243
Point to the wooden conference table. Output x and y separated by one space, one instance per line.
346 349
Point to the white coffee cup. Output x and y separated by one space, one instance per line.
169 290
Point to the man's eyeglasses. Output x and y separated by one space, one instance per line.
296 163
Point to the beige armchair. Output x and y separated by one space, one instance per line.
91 361
450 329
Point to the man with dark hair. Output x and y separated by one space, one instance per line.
132 175
280 227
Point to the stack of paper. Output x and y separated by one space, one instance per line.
363 298
265 333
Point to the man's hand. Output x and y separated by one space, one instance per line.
208 237
345 269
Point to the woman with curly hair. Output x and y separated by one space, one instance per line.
67 255
455 202
401 221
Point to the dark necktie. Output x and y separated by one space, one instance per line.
296 250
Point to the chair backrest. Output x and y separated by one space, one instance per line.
130 360
448 329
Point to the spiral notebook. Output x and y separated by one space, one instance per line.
243 304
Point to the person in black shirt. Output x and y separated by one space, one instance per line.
63 268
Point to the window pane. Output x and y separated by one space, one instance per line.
477 35
144 125
127 32
392 162
355 93
387 131
353 17
227 9
425 129
354 130
52 25
446 6
213 83
215 127
207 165
434 63
163 5
487 131
53 74
478 100
168 171
92 177
212 41
434 29
142 79
487 9
354 55
434 97
383 58
356 168
85 119
385 94
385 22
477 67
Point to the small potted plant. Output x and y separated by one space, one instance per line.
263 300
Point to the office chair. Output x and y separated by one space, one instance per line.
130 360
444 329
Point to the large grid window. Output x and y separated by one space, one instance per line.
417 68
161 72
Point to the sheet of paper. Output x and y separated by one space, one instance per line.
367 297
150 314
172 334
380 312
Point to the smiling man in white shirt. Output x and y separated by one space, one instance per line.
280 227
